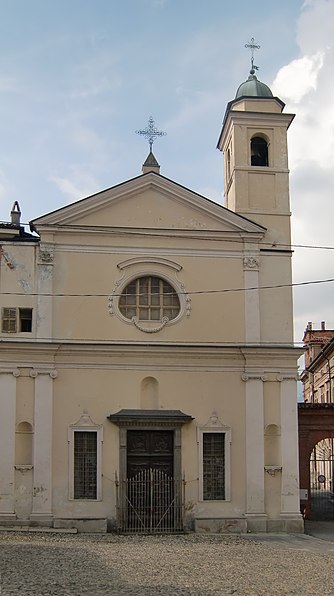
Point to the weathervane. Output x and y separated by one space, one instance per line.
150 132
252 47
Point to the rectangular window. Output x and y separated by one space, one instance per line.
15 320
213 466
25 319
9 319
85 465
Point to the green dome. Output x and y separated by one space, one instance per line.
253 88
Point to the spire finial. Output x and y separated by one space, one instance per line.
150 132
252 46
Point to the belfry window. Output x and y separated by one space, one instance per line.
259 152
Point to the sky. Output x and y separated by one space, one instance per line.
79 77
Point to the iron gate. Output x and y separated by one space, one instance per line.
322 478
150 502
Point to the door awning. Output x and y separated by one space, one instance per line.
128 417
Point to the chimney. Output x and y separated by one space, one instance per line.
323 325
15 214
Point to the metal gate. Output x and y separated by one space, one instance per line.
322 478
150 502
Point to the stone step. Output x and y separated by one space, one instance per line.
35 529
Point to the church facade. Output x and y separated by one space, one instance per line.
147 383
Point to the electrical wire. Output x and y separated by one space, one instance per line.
150 233
220 291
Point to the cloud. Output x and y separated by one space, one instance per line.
80 184
306 85
299 77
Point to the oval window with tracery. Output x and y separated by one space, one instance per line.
149 298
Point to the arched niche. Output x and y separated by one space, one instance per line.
149 394
272 450
23 444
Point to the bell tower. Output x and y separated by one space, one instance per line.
254 142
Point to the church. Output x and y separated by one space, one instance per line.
147 370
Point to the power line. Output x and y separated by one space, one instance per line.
148 232
102 342
220 291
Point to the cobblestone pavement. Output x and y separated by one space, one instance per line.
91 564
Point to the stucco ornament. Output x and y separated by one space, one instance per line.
251 263
46 254
164 322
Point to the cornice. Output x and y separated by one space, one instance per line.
10 371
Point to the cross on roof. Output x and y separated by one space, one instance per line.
150 132
252 46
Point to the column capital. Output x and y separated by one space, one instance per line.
10 371
35 372
287 377
254 377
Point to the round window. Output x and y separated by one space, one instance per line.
149 298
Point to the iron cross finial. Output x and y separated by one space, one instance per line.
150 132
252 46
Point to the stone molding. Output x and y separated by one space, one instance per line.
149 261
85 421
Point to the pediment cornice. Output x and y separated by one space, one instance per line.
70 215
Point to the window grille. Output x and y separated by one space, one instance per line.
213 466
149 299
85 465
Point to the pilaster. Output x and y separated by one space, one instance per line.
7 441
289 445
252 299
255 505
42 482
44 291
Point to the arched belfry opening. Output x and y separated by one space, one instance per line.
259 151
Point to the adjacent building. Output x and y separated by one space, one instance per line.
148 372
318 376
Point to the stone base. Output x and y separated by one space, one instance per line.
289 524
256 523
221 526
82 525
7 517
253 524
42 520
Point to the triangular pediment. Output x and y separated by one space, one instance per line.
149 201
